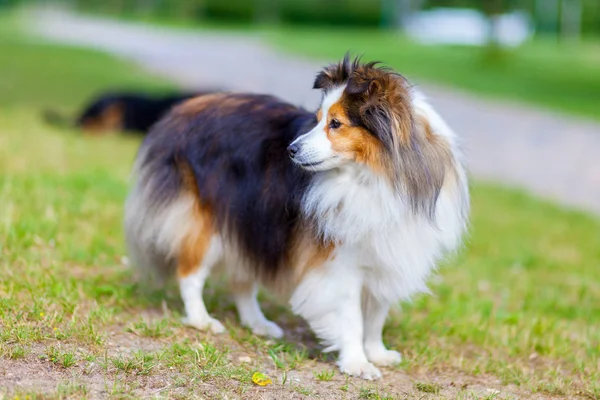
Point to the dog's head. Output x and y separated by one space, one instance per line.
366 118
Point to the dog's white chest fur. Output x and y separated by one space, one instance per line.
378 235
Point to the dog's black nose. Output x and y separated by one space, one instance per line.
293 149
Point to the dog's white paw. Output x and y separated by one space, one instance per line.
384 357
266 328
361 369
210 324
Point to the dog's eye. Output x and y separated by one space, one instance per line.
334 124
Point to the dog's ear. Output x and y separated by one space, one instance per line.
425 161
365 87
377 114
417 156
335 74
379 120
323 80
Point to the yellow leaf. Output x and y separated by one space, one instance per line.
261 379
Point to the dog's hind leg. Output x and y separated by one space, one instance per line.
195 262
251 315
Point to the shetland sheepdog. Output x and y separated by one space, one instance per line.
345 211
120 111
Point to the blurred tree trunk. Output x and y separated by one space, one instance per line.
266 11
403 11
396 13
547 16
418 4
570 18
146 7
493 9
388 13
190 10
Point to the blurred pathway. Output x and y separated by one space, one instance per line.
554 156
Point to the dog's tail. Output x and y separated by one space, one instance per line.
156 215
55 118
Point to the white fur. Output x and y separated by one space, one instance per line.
315 147
329 299
383 251
222 256
160 229
154 237
252 316
191 288
374 315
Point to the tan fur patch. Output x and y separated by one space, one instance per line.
225 104
353 142
197 104
403 127
200 228
308 254
319 254
424 124
442 153
111 120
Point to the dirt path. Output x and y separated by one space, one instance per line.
557 157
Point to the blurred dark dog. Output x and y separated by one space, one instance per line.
125 111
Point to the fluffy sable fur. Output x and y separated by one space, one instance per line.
125 111
345 212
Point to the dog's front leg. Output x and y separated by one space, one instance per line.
329 298
374 313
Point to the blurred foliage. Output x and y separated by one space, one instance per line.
591 17
331 12
541 72
308 12
35 74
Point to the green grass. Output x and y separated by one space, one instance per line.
427 387
325 375
521 303
562 77
38 74
368 393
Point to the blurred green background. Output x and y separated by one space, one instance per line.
548 14
518 309
556 65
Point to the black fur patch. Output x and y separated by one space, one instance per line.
336 74
236 146
138 111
